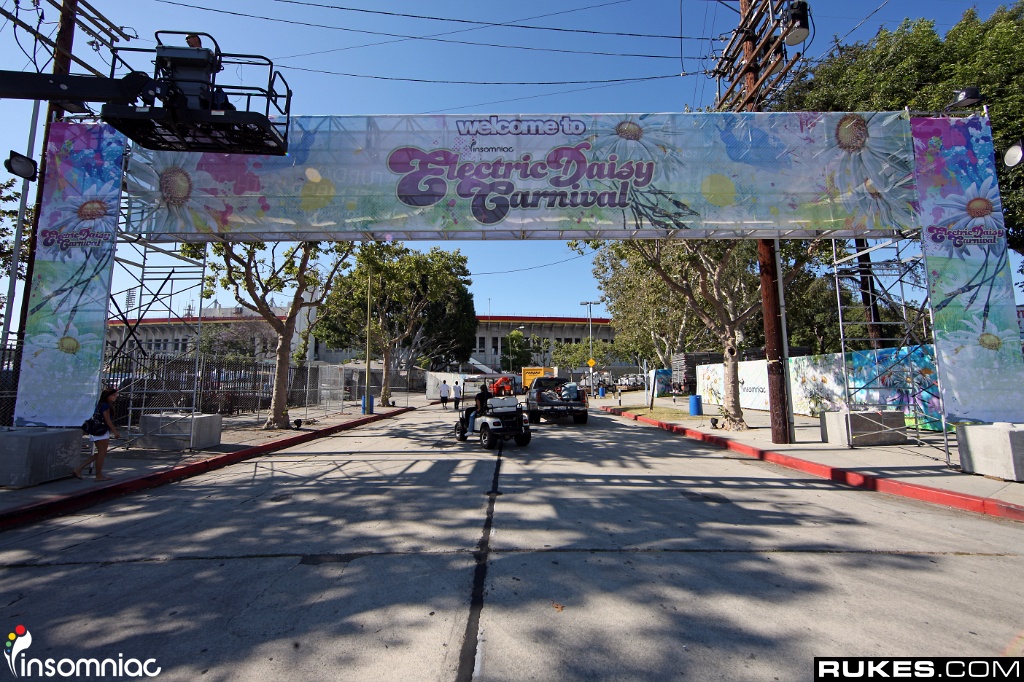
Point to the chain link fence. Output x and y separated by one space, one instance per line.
190 383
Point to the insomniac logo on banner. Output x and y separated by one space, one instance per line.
569 175
21 665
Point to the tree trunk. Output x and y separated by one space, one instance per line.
731 409
278 417
385 381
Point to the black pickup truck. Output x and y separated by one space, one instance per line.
554 398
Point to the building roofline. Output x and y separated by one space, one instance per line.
114 322
542 320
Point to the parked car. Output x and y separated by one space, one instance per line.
555 398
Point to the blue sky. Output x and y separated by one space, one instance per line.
314 42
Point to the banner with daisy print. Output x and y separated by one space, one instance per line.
63 352
557 176
963 239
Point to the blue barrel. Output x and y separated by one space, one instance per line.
367 404
600 391
695 406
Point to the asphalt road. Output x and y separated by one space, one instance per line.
611 551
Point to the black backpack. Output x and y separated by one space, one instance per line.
95 425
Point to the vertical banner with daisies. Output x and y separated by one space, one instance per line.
63 354
963 237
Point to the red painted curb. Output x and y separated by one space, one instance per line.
58 506
947 498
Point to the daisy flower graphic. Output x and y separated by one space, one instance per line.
979 346
643 139
95 209
872 164
876 209
977 206
634 139
175 195
61 350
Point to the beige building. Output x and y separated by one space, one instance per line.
173 335
176 334
492 330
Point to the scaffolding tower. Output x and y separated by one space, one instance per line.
887 364
155 280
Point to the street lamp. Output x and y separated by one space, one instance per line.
590 325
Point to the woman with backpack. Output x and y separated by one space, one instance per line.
100 442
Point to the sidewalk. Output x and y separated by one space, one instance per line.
915 471
134 469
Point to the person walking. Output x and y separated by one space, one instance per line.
102 441
456 395
445 392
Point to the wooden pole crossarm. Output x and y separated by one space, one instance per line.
43 39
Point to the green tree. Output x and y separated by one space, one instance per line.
448 334
540 349
717 282
253 273
403 284
516 352
914 67
575 355
650 323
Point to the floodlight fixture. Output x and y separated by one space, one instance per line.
968 97
22 166
797 16
1014 155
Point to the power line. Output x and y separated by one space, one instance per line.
488 23
534 267
476 44
526 97
402 37
451 82
452 33
809 64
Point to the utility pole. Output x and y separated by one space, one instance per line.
754 60
868 294
104 33
61 67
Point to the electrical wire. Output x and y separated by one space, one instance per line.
682 63
399 37
451 82
534 267
6 19
478 28
489 23
809 64
703 31
520 99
